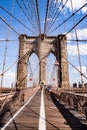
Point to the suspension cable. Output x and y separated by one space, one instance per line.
8 34
75 67
8 25
31 12
77 43
63 18
46 16
7 40
77 24
38 16
67 19
19 60
79 40
25 14
53 19
34 69
28 15
57 15
34 13
49 14
19 21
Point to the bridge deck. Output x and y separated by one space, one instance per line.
31 116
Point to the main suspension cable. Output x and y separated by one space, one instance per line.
77 43
30 14
46 16
19 21
9 25
67 20
6 47
38 17
26 15
56 15
77 24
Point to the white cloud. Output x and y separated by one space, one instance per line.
49 20
81 34
2 39
72 49
8 79
84 70
10 74
76 5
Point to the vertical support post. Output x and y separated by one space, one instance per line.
42 71
22 65
63 67
42 58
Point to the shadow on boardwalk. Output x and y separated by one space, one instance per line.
71 120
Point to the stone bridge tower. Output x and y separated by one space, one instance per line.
42 46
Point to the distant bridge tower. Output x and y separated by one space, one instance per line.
42 46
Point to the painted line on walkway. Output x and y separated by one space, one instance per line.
42 122
14 116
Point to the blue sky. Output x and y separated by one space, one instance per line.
13 46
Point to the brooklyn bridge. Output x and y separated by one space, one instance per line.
43 65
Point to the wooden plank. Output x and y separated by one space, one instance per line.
28 119
54 119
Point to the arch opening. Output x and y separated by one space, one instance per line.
52 71
33 70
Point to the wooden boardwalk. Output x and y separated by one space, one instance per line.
53 116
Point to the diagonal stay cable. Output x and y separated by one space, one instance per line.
32 13
79 40
49 14
25 14
17 19
9 25
8 40
77 24
33 71
67 19
75 67
56 15
19 60
35 14
76 36
46 16
29 13
38 16
6 47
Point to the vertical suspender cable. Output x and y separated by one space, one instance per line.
8 34
56 15
46 16
54 18
50 12
38 16
26 14
77 43
63 17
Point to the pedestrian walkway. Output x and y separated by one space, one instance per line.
43 112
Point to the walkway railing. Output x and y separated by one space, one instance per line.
75 101
14 99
